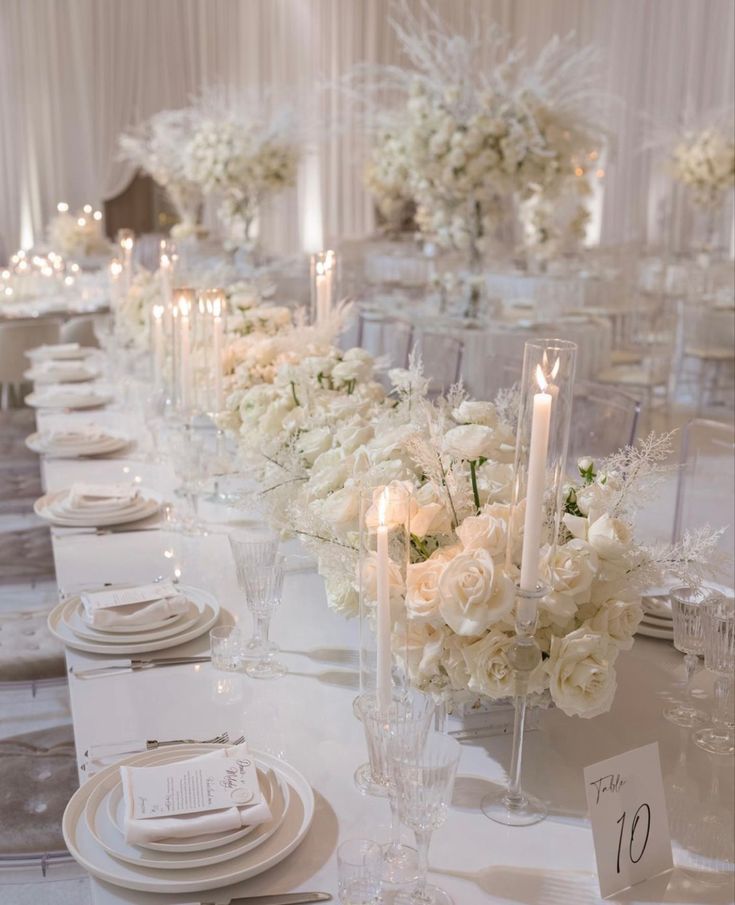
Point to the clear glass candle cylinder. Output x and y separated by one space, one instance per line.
323 285
384 555
184 313
210 348
542 440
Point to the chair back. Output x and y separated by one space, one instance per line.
604 419
80 330
706 484
383 335
441 353
16 338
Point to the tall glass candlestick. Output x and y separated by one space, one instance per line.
184 300
157 312
323 285
547 392
126 238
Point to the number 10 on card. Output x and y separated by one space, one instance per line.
627 810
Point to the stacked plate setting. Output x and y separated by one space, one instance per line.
67 396
657 620
68 623
60 352
73 444
61 372
81 507
94 818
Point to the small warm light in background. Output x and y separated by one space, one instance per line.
578 171
87 208
600 173
82 221
97 215
62 207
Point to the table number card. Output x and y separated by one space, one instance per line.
630 825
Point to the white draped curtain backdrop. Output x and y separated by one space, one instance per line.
75 73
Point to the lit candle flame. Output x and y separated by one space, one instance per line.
541 380
184 305
158 312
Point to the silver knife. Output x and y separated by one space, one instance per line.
286 898
135 666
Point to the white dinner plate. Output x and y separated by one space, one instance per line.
207 618
88 853
62 352
71 372
654 631
146 504
95 446
109 836
73 619
68 400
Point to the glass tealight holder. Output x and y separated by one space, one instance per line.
323 285
542 440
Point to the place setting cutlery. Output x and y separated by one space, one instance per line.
98 756
286 898
136 665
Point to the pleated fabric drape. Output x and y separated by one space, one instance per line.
75 73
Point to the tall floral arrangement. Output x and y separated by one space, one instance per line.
158 146
77 235
243 154
481 129
456 456
387 178
704 162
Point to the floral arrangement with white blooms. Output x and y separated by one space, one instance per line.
480 129
456 457
77 235
158 146
704 161
387 178
242 154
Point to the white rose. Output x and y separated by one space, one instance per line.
314 442
396 586
581 674
342 508
487 531
619 619
420 644
474 594
428 514
345 371
454 663
471 412
353 435
422 588
390 505
610 537
469 441
489 669
329 473
573 568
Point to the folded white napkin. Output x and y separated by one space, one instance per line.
153 829
64 395
99 498
72 437
58 349
136 614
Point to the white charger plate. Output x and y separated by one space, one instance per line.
208 617
87 852
99 446
73 619
56 353
653 631
109 836
71 372
145 505
71 401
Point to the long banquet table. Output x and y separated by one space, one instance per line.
307 719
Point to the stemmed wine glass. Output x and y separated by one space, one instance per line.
719 658
263 587
424 780
687 607
188 456
253 549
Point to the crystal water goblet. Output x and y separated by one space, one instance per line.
254 547
188 456
358 872
719 658
424 781
404 725
687 607
263 588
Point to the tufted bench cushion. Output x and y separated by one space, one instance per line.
28 650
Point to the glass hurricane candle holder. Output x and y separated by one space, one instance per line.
542 440
323 283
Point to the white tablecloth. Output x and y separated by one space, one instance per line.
307 718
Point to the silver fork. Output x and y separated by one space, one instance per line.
97 752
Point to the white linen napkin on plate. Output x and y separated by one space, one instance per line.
153 829
98 498
136 614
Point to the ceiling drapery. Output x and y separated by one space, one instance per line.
75 73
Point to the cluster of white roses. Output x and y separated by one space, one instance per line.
243 162
158 146
132 312
555 226
77 235
705 163
327 446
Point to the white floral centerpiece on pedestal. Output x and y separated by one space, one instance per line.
158 146
78 235
243 155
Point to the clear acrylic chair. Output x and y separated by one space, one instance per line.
706 365
604 419
441 353
384 335
706 485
